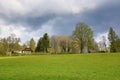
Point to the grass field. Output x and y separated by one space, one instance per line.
61 67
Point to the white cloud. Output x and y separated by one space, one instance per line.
8 29
23 32
99 37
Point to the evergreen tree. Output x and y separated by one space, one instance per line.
45 42
118 45
112 36
39 47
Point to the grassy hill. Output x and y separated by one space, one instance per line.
61 67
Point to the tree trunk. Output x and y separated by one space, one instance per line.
81 45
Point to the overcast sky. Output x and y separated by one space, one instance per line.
33 18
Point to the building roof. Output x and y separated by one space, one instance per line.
27 49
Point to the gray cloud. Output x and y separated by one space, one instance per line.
99 19
103 17
34 18
18 10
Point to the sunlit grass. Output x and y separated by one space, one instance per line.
61 67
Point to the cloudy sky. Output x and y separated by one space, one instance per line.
33 18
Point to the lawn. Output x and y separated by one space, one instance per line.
61 67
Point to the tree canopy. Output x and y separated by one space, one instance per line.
84 34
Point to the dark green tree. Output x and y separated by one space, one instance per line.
39 47
45 42
113 37
118 45
83 34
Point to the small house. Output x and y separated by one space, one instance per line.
27 51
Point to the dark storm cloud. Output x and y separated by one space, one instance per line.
32 22
103 17
99 19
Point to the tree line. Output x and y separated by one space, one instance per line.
81 41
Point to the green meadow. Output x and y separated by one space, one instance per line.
104 66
